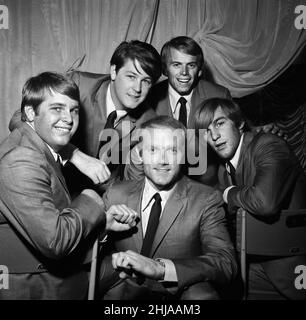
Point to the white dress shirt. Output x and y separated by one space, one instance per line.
110 107
174 97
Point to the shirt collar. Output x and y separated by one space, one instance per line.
174 98
110 107
54 154
149 191
235 159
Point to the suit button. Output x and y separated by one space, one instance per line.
41 267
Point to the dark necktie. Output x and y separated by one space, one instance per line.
152 226
111 120
183 111
232 172
108 125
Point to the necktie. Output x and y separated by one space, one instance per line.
58 163
232 172
108 125
183 111
152 226
111 120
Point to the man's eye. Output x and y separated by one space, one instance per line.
147 82
192 65
219 124
75 111
174 150
131 77
176 65
152 149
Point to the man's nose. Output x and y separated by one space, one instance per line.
184 70
215 135
137 86
66 116
164 159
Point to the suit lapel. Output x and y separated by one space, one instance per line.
134 202
174 206
247 138
99 113
41 145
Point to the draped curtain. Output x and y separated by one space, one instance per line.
247 44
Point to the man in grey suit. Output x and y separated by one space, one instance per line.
260 174
44 236
180 249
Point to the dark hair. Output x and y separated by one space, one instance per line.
204 114
144 53
35 89
184 44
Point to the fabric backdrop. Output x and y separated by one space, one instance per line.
247 44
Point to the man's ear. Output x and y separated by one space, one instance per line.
113 72
30 113
241 126
200 73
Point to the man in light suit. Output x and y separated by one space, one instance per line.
260 174
44 236
180 249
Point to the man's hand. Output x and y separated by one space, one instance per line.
271 128
93 168
120 218
132 264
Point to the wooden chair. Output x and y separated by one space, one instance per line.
284 236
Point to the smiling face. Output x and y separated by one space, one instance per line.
130 85
223 135
56 120
163 151
182 71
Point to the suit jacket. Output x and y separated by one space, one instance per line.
269 179
93 89
191 232
44 235
160 102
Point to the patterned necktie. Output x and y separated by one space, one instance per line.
152 226
183 111
232 172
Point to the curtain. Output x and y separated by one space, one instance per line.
247 44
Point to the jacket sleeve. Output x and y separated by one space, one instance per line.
40 209
275 174
217 262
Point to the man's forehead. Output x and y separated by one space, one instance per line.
135 67
162 135
181 55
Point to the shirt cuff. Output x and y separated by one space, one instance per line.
170 271
225 193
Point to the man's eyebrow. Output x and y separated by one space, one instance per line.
219 118
59 104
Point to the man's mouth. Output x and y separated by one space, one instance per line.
220 146
63 129
183 81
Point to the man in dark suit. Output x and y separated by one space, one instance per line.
44 236
180 249
261 175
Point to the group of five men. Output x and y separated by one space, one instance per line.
167 234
